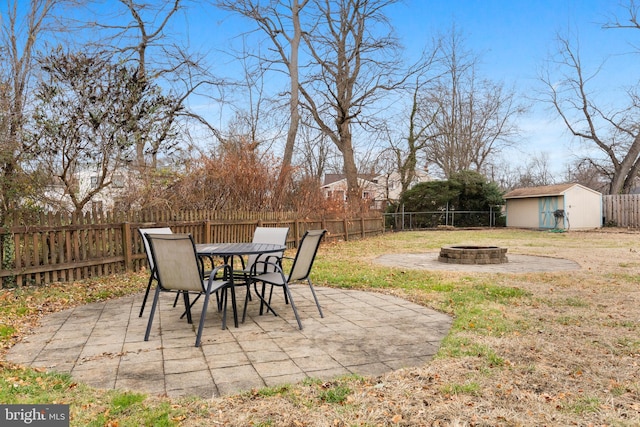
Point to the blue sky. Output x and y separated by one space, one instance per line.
512 38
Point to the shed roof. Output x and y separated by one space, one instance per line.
543 191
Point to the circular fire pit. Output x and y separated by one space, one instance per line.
473 255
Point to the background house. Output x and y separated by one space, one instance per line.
379 189
55 196
569 206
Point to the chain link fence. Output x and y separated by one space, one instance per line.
434 219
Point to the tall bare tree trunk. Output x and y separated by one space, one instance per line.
294 100
272 19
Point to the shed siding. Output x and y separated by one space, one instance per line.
583 209
522 213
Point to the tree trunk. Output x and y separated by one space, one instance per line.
625 172
294 101
350 169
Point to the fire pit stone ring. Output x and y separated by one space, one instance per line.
469 254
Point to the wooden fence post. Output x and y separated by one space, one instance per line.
296 233
127 246
346 229
207 232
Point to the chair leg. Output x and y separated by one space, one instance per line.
263 302
248 288
224 299
202 317
246 280
175 301
233 305
146 295
313 291
295 312
271 294
187 307
190 305
286 298
153 311
247 298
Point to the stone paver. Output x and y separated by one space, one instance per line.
365 333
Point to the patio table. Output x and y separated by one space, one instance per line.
228 251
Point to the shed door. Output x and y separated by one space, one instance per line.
548 206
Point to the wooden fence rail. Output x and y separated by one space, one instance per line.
57 249
621 210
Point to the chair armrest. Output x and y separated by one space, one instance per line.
276 265
267 258
226 272
273 259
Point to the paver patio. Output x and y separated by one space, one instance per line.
363 333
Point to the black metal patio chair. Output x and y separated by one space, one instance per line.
299 272
177 268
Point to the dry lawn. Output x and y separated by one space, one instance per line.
564 352
573 359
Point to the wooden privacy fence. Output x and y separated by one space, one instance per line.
63 249
621 210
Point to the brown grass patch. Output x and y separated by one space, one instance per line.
570 356
573 361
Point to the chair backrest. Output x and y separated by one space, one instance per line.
176 262
274 235
143 232
307 250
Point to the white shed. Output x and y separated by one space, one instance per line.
568 206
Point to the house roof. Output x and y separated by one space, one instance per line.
330 178
343 183
543 191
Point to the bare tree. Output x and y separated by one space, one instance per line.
615 134
23 28
140 34
313 151
420 126
586 173
474 118
356 60
535 172
347 70
250 115
280 21
632 22
258 117
85 112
